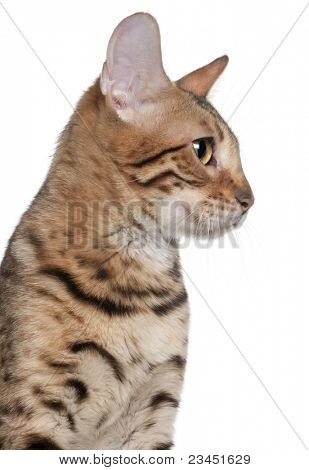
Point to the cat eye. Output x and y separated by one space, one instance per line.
203 149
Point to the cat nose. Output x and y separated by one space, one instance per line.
245 199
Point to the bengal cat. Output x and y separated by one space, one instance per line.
94 312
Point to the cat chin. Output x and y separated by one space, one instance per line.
210 234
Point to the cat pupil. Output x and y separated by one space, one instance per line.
201 148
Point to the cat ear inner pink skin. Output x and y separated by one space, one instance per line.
133 74
201 80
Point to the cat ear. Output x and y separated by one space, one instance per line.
133 74
201 80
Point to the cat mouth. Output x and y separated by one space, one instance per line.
240 221
211 227
218 225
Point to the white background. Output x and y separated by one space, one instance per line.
258 291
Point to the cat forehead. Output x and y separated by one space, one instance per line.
215 119
189 115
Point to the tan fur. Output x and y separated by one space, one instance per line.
77 373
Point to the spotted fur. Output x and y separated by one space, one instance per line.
93 309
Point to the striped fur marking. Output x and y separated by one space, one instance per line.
157 156
79 387
163 398
163 446
162 176
38 442
165 307
109 358
107 305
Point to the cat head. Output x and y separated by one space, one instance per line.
170 144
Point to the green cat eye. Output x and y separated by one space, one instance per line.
203 149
